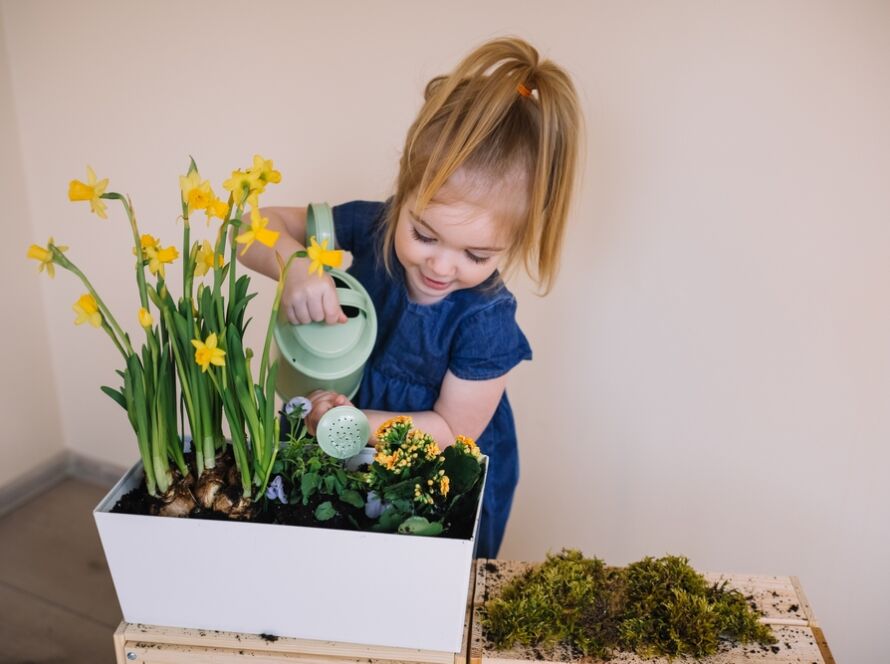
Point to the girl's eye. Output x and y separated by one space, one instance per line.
477 259
421 238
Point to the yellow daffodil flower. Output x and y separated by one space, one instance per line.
204 259
145 319
258 232
206 353
321 256
158 257
45 256
240 181
147 243
217 208
87 311
89 191
263 171
196 193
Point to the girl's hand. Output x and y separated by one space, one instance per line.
309 297
322 402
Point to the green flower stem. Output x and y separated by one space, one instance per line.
233 261
117 343
61 261
218 247
187 267
276 305
140 267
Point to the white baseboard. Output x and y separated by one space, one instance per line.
61 466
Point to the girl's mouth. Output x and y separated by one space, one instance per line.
432 283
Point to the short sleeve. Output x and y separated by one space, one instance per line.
489 342
354 221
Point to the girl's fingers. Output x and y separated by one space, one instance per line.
316 310
332 311
301 313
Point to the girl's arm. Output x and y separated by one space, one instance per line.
306 297
464 407
291 223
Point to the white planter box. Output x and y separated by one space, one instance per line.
312 583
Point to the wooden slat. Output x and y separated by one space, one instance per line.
119 639
786 608
301 649
823 646
804 602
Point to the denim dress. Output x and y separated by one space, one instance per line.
471 332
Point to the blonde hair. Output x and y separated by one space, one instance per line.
481 117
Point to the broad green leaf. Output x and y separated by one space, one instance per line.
462 470
352 497
418 525
325 511
308 485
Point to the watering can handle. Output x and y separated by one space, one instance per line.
350 298
320 224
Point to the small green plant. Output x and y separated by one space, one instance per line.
315 478
657 607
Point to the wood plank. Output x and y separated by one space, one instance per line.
34 630
777 596
50 548
138 634
804 602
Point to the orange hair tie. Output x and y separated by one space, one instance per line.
524 91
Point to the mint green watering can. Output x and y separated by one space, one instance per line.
321 356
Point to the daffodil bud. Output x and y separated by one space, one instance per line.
145 319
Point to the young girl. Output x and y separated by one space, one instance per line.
484 184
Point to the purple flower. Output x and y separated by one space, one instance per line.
302 403
276 490
374 506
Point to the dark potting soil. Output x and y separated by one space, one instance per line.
138 501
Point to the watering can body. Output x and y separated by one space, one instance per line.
320 356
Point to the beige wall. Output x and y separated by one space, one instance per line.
712 373
28 405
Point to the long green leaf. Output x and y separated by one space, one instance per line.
117 395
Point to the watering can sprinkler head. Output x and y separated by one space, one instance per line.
343 432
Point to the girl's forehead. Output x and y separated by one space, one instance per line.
491 204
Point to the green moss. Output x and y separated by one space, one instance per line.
654 607
563 601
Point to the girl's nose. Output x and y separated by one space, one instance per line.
440 265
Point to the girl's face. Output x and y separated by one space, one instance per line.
455 243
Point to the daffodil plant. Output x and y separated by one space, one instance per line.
193 359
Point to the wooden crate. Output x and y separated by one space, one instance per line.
153 644
781 598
